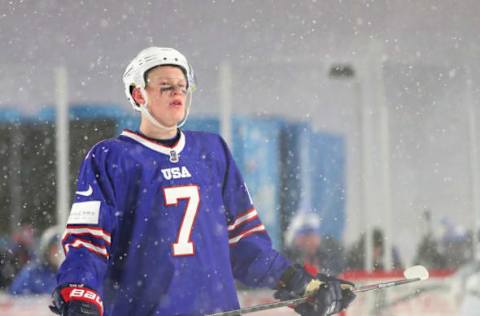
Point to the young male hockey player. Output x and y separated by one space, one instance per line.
162 221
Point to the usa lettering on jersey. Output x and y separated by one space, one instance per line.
176 173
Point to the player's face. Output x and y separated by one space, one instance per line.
166 90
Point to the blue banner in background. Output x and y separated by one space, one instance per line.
255 146
8 115
313 177
202 123
327 154
85 111
294 152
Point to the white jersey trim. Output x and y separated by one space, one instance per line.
95 232
244 218
155 146
89 246
236 239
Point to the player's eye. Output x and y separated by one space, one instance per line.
166 88
169 88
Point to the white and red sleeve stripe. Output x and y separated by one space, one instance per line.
243 219
237 238
95 232
244 225
94 239
79 243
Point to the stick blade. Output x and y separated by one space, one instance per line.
416 272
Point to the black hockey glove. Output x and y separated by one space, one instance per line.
76 300
328 295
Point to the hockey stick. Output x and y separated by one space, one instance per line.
412 274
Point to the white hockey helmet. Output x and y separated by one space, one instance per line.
151 57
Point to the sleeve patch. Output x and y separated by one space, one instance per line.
84 213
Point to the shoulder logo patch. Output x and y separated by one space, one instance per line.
84 213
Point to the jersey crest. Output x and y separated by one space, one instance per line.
176 173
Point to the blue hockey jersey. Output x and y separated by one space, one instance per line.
165 230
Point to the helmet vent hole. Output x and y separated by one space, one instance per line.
164 58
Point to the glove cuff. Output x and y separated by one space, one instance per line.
78 292
82 293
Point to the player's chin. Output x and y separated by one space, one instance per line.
177 114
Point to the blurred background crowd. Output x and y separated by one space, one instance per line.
29 258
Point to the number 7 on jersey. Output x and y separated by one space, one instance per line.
184 246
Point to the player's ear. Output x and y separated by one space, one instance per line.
138 96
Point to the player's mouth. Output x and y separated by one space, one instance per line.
176 103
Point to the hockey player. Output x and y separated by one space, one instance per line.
162 221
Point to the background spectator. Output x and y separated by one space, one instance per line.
39 276
306 245
356 254
7 267
450 250
456 244
15 252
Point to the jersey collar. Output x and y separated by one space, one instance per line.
177 148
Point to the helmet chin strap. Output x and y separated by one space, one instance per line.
144 109
188 101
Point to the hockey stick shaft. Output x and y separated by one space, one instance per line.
296 301
382 285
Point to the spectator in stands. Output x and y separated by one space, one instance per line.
429 255
456 244
356 255
39 276
307 246
451 250
15 253
7 267
428 251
